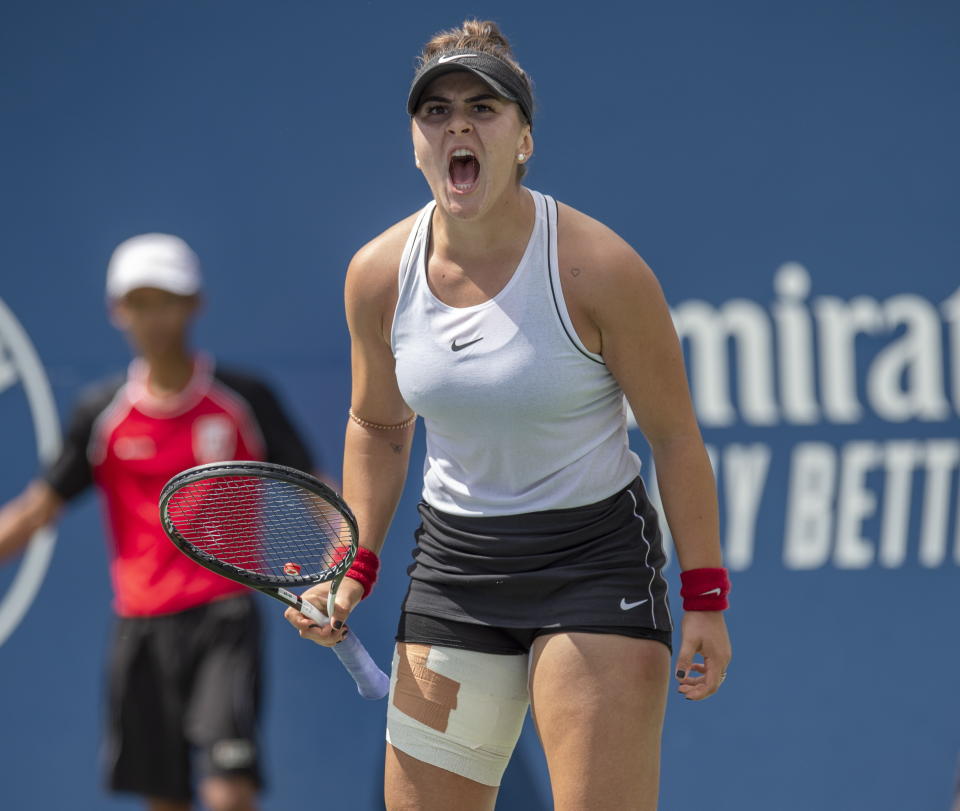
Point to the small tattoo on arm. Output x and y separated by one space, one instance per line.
575 271
396 448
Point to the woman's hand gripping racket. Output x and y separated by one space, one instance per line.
271 528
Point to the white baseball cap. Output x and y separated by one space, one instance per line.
153 260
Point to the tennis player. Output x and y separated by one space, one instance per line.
185 665
514 326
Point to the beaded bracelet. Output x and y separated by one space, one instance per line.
367 424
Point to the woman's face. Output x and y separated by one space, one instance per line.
466 139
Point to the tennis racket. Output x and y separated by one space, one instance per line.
271 528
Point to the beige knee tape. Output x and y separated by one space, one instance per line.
456 709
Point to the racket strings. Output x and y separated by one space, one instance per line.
265 527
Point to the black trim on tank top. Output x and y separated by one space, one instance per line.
553 291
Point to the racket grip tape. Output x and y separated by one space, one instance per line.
372 682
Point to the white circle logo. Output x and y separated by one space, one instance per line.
20 368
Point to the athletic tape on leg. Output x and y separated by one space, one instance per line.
458 710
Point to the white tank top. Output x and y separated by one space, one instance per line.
520 415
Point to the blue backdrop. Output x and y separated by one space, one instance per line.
789 170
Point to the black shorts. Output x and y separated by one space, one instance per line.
596 567
184 692
421 630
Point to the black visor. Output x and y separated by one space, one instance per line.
502 79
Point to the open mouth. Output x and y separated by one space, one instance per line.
464 170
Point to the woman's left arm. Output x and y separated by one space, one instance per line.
639 344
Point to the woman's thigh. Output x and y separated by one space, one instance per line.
598 701
452 722
412 785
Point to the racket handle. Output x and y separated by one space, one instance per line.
372 682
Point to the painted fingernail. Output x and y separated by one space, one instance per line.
338 624
681 674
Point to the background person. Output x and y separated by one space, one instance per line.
185 666
515 327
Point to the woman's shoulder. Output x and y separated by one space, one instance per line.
375 266
590 251
609 290
386 248
583 236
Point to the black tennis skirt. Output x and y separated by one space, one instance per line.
596 565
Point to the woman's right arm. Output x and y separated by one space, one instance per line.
375 459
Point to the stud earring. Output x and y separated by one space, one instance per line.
521 157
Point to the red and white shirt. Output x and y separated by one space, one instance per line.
130 443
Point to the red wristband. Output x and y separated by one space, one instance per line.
364 569
705 589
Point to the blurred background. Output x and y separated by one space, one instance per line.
790 171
